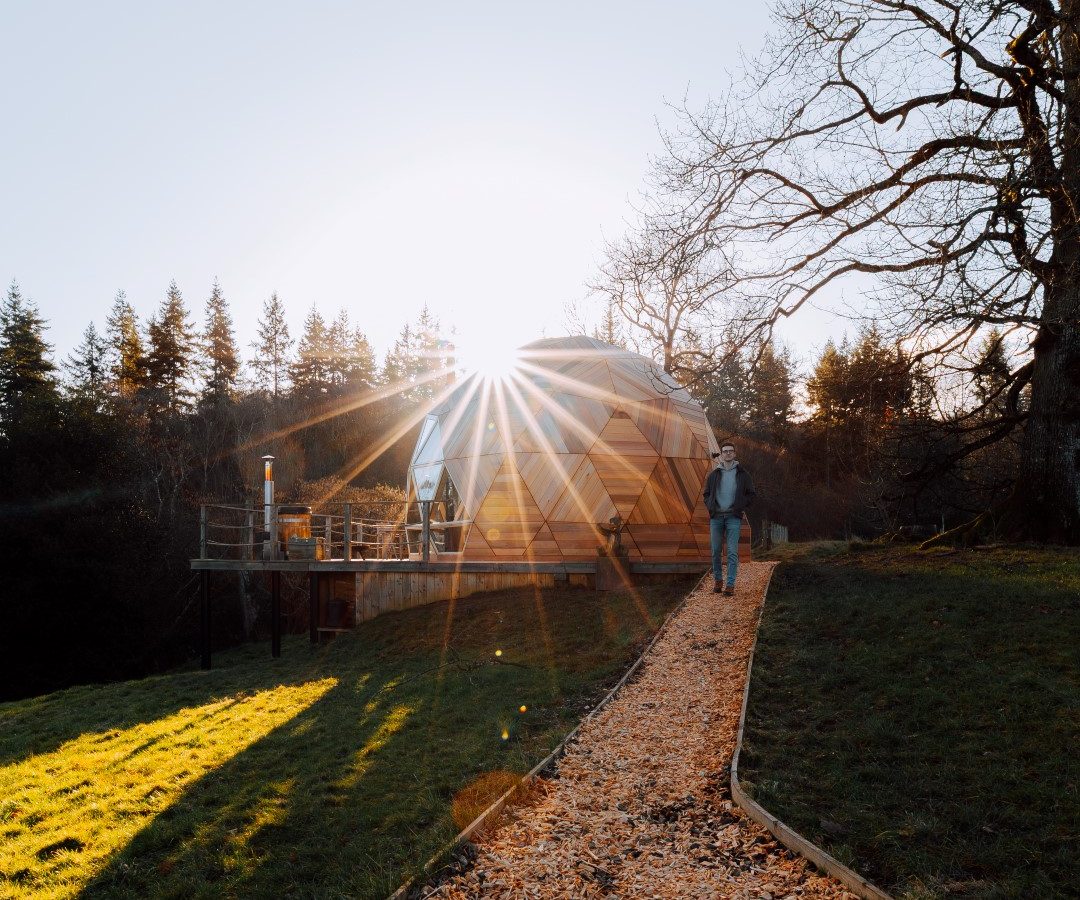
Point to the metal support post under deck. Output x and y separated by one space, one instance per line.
275 614
425 532
204 618
313 607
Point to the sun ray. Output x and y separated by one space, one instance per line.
342 407
338 481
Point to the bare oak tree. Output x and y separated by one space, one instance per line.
930 148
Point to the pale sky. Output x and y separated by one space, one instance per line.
469 156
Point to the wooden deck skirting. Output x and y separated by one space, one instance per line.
344 593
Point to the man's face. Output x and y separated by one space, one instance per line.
727 454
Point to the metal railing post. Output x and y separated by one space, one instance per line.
202 531
347 548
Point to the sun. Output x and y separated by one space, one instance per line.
489 360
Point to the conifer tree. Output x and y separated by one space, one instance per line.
310 372
339 339
126 354
769 395
87 366
169 362
27 380
991 373
271 362
219 347
363 368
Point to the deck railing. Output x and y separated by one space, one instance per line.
368 530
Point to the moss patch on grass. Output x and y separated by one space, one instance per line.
918 714
331 771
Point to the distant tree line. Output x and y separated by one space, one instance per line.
866 444
106 458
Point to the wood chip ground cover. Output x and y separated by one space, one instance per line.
640 804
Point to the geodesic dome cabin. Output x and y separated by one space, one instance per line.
530 465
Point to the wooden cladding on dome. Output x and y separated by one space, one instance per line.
580 433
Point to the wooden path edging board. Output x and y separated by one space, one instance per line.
402 892
786 835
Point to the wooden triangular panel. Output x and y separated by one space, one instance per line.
547 477
689 476
472 478
577 540
623 438
688 547
660 541
475 546
624 477
584 499
662 500
650 418
679 438
590 378
585 415
694 417
629 387
542 434
509 501
544 546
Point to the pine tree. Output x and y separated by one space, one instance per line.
310 372
363 368
770 397
338 339
27 380
417 355
126 354
271 361
219 347
991 372
169 362
87 366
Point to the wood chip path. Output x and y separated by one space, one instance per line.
640 804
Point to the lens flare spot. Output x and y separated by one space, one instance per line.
505 735
522 708
498 652
493 534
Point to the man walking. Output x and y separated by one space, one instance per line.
729 490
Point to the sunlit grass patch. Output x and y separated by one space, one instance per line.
67 810
329 772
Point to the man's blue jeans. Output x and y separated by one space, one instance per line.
725 526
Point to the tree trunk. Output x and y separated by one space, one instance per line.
1046 505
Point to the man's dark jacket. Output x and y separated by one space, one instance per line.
744 492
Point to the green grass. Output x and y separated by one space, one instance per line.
918 715
331 771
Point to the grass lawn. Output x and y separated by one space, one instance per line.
332 771
918 715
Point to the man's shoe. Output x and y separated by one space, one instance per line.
729 591
717 587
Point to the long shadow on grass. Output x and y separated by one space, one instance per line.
42 724
307 809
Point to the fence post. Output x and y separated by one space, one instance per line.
347 548
202 531
249 533
328 531
275 545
